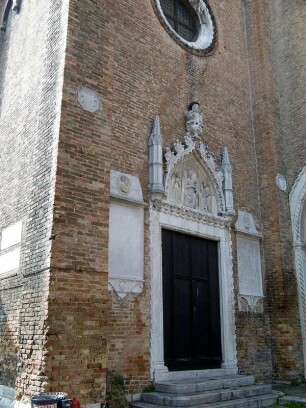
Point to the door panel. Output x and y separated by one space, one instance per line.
192 337
181 317
181 255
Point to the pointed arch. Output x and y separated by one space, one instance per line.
193 179
297 200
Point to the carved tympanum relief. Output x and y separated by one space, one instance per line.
189 187
192 180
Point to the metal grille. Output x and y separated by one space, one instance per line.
181 17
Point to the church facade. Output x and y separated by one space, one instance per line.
153 183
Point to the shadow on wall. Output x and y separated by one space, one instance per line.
8 350
4 45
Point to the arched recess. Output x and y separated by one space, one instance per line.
298 221
193 204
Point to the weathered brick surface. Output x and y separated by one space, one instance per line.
254 345
31 61
76 344
122 51
9 336
289 63
68 327
266 38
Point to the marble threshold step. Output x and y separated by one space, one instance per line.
205 397
262 401
204 384
231 391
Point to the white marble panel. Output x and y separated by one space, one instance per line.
9 261
11 235
126 248
249 266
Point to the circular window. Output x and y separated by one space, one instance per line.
189 21
181 17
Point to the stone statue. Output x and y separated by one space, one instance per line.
194 120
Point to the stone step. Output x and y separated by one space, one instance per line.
261 401
190 386
206 397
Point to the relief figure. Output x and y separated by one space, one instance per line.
205 202
191 189
176 190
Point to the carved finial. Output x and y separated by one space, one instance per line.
194 120
178 146
155 143
227 182
155 135
226 164
189 141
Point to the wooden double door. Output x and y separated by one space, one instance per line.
192 335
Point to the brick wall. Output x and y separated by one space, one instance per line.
289 58
31 62
78 288
122 52
267 34
288 34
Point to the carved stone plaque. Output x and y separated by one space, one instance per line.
249 266
126 235
89 99
249 270
125 187
281 182
246 224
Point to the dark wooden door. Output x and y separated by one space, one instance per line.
192 337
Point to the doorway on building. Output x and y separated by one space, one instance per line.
191 302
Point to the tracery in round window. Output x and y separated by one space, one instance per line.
181 17
189 21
